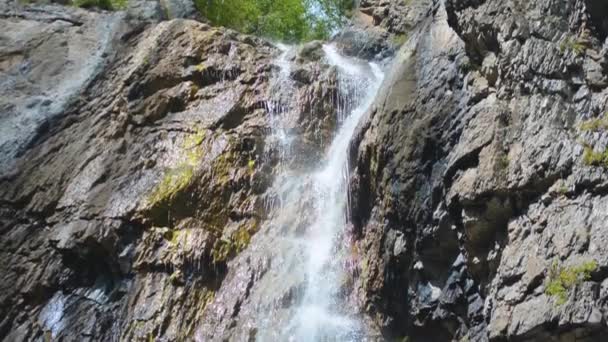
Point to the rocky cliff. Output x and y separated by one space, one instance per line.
137 168
481 175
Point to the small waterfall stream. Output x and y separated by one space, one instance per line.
293 282
320 252
321 315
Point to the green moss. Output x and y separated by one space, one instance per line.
174 181
225 249
593 158
503 162
573 44
193 90
241 240
595 125
196 139
562 279
176 278
222 166
180 177
172 236
399 39
221 250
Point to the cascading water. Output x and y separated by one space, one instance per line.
297 266
321 313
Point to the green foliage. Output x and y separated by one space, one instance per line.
399 39
592 158
562 279
573 44
119 4
283 20
595 125
103 4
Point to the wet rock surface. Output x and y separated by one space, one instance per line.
136 166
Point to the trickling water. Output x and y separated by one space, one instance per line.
282 91
322 313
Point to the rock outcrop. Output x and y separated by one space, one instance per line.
137 163
480 188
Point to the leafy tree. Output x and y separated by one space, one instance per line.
284 20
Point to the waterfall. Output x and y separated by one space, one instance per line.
322 313
297 266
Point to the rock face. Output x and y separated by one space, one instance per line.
479 185
136 164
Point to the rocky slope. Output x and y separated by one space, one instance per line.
136 166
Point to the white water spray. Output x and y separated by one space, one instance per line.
321 313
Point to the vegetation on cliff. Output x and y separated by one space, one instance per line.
283 20
562 279
103 4
592 157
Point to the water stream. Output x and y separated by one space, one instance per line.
322 313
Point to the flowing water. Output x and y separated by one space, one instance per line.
320 252
298 267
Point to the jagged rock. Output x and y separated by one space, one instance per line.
136 165
311 51
479 128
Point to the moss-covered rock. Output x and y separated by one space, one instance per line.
562 279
